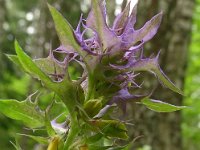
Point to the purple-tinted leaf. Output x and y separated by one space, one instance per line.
151 65
144 34
97 21
160 106
123 97
133 15
121 20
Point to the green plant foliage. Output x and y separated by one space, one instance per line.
191 123
109 128
30 67
24 111
160 106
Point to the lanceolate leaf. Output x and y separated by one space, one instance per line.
121 20
24 111
31 68
65 31
160 106
152 66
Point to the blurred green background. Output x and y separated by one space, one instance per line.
30 22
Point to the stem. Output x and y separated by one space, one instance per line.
91 87
74 130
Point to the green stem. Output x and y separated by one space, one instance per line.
74 130
91 87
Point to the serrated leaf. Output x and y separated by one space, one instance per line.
49 66
152 66
31 68
160 106
23 111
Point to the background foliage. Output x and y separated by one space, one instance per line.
191 116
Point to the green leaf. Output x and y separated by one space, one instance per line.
65 31
39 139
92 107
111 128
24 111
15 60
30 67
160 106
49 66
94 138
49 128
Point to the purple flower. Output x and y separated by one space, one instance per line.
109 56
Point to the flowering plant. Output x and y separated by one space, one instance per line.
111 58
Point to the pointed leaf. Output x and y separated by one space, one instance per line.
144 34
23 111
152 66
15 60
160 106
97 21
65 31
121 21
31 68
